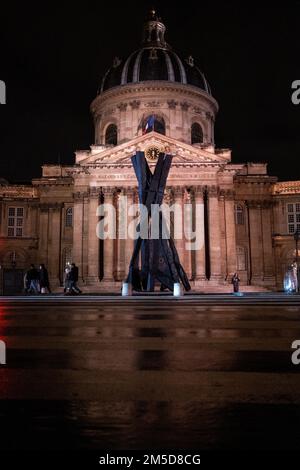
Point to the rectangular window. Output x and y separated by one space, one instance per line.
10 232
15 222
293 217
11 212
20 212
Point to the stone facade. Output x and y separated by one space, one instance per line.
248 217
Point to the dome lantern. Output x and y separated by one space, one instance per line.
154 32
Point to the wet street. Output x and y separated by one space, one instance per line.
209 372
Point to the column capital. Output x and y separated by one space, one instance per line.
185 106
178 191
267 204
56 206
120 192
94 192
108 191
228 194
46 206
259 203
168 195
172 104
78 196
122 106
130 190
213 191
135 104
253 204
188 195
198 192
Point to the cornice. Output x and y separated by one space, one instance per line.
286 188
18 191
255 179
142 87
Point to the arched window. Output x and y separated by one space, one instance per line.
154 123
239 215
66 257
111 135
241 258
196 133
69 217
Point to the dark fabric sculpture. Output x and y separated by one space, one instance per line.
159 257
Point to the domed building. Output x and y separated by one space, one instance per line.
154 80
152 101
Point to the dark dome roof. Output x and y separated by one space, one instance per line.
154 61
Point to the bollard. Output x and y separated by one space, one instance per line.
126 289
2 92
2 353
177 291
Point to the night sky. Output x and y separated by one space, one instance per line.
53 58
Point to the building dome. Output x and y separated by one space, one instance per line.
155 60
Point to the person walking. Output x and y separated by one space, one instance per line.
33 278
44 280
73 277
236 283
67 283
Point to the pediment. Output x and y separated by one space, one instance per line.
182 152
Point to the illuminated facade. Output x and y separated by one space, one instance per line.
248 217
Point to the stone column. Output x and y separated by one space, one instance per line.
174 118
185 122
188 213
121 230
179 242
212 136
135 106
122 127
93 240
200 274
269 264
256 247
108 254
43 233
223 233
55 244
214 234
129 242
168 200
77 254
230 235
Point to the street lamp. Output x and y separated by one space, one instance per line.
297 238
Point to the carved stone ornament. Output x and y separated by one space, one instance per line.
135 104
153 104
